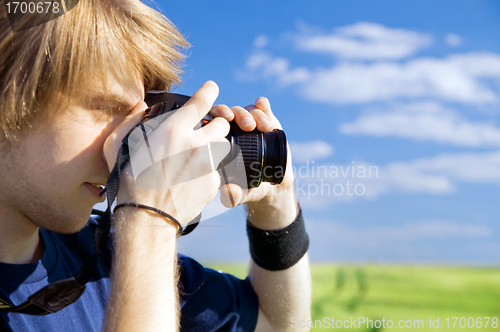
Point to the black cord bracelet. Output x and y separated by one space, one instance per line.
280 249
141 206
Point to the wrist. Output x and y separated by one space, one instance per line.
275 211
136 223
279 249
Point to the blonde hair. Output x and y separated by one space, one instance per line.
95 39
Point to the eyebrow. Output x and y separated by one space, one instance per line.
111 99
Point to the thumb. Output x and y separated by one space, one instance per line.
232 195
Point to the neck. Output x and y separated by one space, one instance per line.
19 239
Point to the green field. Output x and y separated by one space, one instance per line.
407 293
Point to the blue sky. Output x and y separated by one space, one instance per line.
408 88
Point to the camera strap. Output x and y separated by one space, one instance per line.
58 295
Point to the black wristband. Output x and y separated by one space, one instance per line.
280 249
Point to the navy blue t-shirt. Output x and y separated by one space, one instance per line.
210 301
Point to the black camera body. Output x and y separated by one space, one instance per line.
255 156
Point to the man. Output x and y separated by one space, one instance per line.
70 90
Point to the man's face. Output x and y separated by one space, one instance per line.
50 178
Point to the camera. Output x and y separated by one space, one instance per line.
254 157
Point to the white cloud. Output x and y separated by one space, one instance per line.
263 64
470 78
458 78
453 39
364 41
436 175
427 121
321 185
261 41
463 167
311 150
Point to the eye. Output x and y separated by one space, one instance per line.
102 108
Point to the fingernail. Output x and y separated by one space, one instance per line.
246 121
263 122
226 113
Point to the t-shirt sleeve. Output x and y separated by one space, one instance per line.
215 301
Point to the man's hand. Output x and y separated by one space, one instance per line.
175 167
269 206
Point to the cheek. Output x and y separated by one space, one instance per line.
74 143
79 144
92 132
75 154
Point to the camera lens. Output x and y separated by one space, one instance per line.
255 157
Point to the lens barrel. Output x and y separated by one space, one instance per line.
255 157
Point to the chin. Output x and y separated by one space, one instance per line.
77 226
66 224
74 228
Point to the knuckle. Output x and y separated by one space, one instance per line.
220 111
238 109
221 107
257 112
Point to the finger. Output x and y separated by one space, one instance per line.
114 140
262 120
243 118
263 104
230 195
222 111
215 130
198 105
